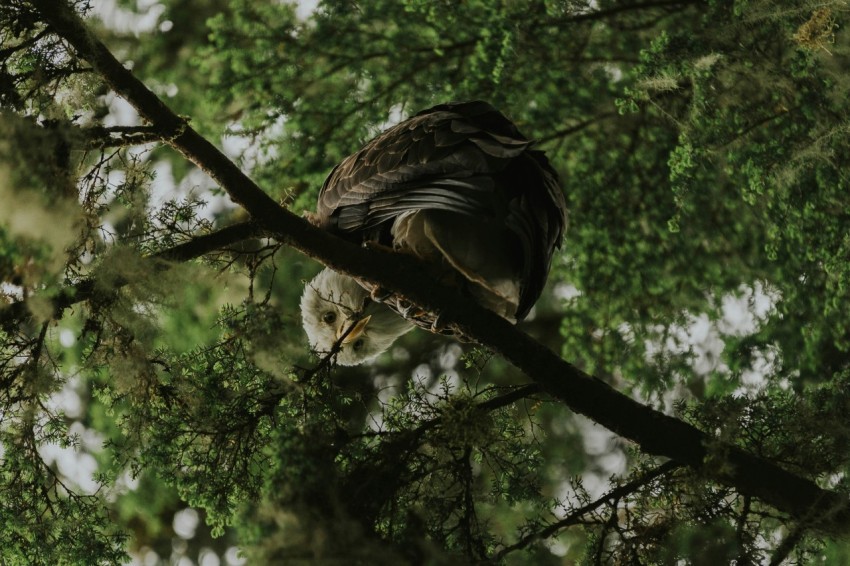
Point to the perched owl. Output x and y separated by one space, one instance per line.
458 186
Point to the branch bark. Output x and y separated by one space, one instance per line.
655 432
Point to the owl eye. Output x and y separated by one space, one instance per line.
329 317
358 344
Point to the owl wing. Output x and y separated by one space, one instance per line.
464 158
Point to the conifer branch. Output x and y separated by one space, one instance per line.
119 136
87 289
576 516
655 432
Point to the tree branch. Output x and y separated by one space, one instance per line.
87 289
119 136
510 397
576 516
575 128
655 432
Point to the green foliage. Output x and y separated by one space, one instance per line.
702 148
411 479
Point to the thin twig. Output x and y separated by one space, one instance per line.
575 517
85 290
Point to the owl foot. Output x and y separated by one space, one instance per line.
438 326
404 307
312 217
380 294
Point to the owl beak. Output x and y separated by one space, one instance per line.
359 328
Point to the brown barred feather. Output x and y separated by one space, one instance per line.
463 158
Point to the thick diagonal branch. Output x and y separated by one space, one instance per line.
655 432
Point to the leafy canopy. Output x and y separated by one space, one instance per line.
703 152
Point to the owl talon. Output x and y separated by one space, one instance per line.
313 218
407 309
379 294
437 327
